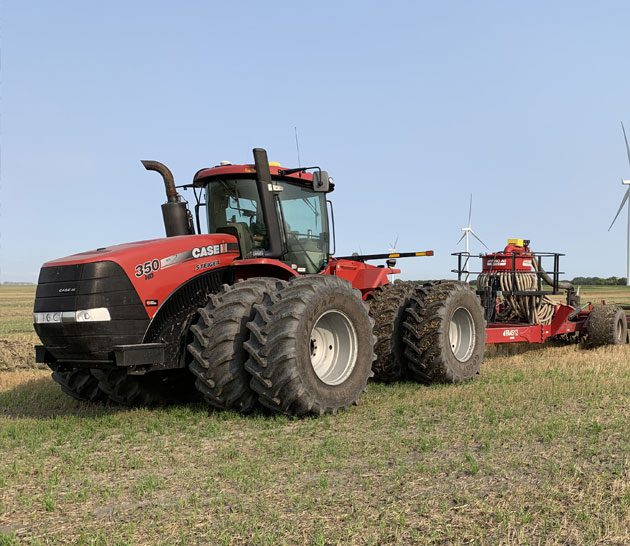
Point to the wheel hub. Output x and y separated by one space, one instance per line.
462 334
619 330
333 347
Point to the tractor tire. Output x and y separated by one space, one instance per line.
606 325
152 389
387 307
218 355
445 333
80 384
311 347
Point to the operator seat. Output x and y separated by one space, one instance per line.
242 232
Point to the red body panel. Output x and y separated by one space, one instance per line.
500 332
263 267
158 267
178 259
363 276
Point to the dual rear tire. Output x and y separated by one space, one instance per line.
430 333
444 333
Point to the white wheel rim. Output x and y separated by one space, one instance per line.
333 347
461 334
620 330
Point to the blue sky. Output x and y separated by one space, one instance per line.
409 105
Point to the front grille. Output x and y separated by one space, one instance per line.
88 286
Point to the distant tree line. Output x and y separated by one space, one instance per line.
599 281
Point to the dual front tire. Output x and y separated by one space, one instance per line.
303 347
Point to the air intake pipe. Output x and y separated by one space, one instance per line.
264 183
174 211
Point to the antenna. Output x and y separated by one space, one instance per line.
624 200
468 231
297 145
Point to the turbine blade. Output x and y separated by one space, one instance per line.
461 238
478 239
470 210
623 202
626 139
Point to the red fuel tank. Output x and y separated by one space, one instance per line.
516 255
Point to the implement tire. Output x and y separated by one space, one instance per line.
387 308
444 333
80 384
311 347
218 355
606 325
154 388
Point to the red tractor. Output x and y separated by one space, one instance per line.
256 311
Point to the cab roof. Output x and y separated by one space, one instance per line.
202 176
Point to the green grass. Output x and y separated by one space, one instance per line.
617 294
534 451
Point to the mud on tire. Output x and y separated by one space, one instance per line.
444 333
80 384
606 325
387 307
310 347
218 355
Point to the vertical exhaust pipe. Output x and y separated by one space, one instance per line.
264 184
174 211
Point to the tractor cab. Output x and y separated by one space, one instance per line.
273 212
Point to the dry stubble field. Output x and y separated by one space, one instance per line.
536 450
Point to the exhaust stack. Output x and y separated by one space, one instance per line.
264 183
174 211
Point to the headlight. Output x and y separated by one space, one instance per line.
47 318
99 314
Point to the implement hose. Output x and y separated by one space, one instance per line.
533 309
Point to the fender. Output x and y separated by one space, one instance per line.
262 267
364 277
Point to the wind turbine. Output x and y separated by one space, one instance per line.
468 231
392 249
623 202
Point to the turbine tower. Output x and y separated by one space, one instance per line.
623 202
468 231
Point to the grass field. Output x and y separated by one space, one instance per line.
536 450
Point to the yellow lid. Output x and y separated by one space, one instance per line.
274 164
516 242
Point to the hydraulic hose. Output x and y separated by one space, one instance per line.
533 309
563 285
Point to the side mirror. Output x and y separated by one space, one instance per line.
321 181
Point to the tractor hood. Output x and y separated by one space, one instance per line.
155 268
168 251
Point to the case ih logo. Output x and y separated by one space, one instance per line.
210 250
63 290
510 333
